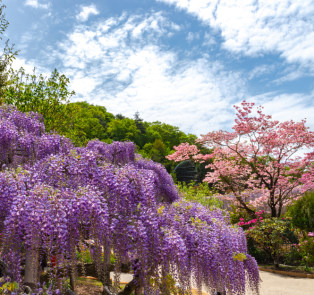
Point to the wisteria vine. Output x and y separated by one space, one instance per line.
53 196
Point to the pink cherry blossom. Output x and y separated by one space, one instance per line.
259 162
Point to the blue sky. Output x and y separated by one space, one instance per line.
183 62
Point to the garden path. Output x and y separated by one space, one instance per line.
273 284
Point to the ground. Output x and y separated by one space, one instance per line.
271 284
275 284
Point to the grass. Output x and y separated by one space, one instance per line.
90 282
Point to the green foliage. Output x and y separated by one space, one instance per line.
93 120
167 285
84 255
9 287
123 130
6 57
156 150
306 250
238 213
270 234
302 212
292 256
170 135
200 193
154 140
139 123
49 97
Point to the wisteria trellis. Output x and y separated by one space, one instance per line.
53 195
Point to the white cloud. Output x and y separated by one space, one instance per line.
257 27
86 12
261 70
119 63
29 67
293 72
191 36
36 4
46 15
283 107
209 40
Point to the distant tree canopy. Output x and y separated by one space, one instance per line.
154 140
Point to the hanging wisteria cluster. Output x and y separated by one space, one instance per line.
54 196
23 138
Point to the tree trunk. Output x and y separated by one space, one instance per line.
163 288
59 285
273 212
276 259
72 281
31 268
129 288
106 275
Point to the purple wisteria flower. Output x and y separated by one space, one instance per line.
53 196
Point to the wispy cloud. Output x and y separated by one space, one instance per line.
294 72
36 4
191 36
261 70
86 12
253 28
283 107
209 40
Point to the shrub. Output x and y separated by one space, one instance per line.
302 212
306 249
269 235
292 256
200 193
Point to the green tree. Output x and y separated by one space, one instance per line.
119 116
93 120
6 57
49 97
156 151
139 123
170 135
122 130
302 212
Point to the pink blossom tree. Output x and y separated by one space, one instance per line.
259 162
